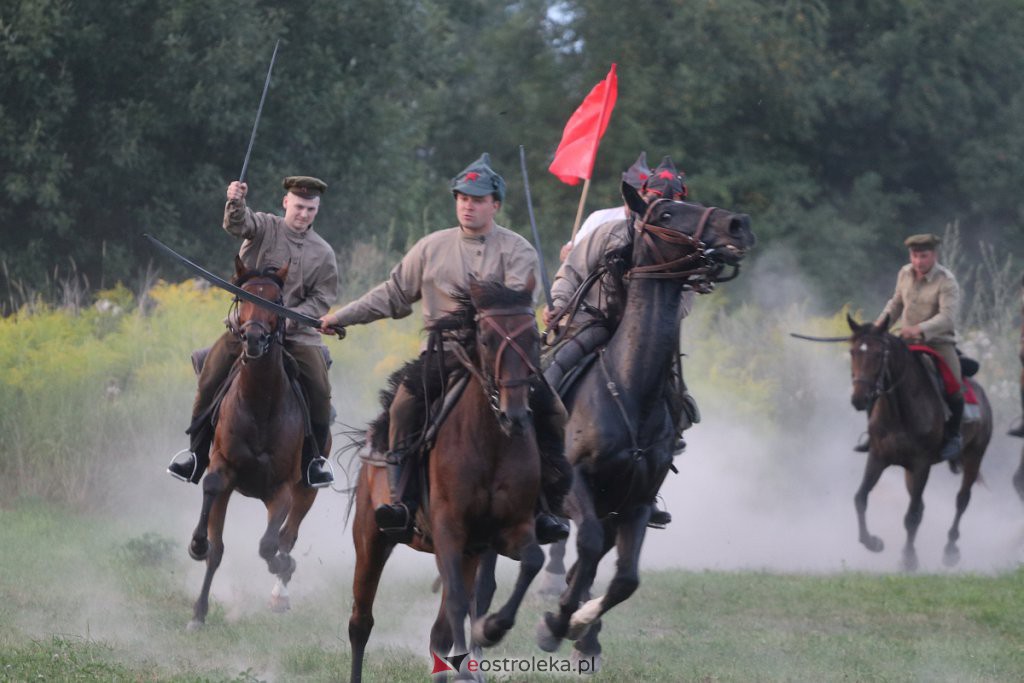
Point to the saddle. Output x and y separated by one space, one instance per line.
208 419
944 381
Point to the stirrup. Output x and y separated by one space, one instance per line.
178 470
326 477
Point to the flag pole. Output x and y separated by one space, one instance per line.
593 160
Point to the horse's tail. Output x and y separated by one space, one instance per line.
350 466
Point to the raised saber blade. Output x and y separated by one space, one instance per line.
259 111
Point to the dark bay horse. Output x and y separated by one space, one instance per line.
484 478
257 446
620 438
905 428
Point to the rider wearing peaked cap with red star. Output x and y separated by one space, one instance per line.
434 269
479 180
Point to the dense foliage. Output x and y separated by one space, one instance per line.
839 126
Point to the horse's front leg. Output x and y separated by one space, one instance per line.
372 551
458 572
872 471
280 564
590 547
915 480
553 579
629 540
209 538
490 630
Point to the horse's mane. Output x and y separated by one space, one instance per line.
422 382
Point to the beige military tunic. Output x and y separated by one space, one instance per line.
586 255
933 302
440 264
312 284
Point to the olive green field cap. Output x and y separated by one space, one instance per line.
305 186
923 241
479 180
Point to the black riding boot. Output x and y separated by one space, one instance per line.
952 442
556 473
316 470
1019 429
659 518
395 518
188 466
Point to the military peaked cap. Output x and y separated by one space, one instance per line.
304 186
666 181
923 241
479 180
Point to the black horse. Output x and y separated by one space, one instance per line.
619 437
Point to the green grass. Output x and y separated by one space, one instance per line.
94 598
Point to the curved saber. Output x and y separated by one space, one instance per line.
819 339
259 111
241 293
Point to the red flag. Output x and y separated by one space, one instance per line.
574 158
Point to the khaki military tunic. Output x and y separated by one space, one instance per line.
312 284
440 264
933 302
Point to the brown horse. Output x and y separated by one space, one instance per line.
257 446
484 478
905 428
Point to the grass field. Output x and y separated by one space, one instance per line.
98 598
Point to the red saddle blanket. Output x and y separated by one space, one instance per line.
948 379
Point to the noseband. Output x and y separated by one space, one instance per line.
664 268
268 334
883 382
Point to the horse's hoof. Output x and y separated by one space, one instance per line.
551 585
486 632
584 663
582 618
280 604
951 557
198 549
873 543
910 562
194 625
546 640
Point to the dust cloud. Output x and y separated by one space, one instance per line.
749 495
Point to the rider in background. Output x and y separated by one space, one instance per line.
272 241
926 303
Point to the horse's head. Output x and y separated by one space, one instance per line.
724 235
508 349
870 348
257 327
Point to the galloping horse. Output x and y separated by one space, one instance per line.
484 476
620 437
905 428
257 446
